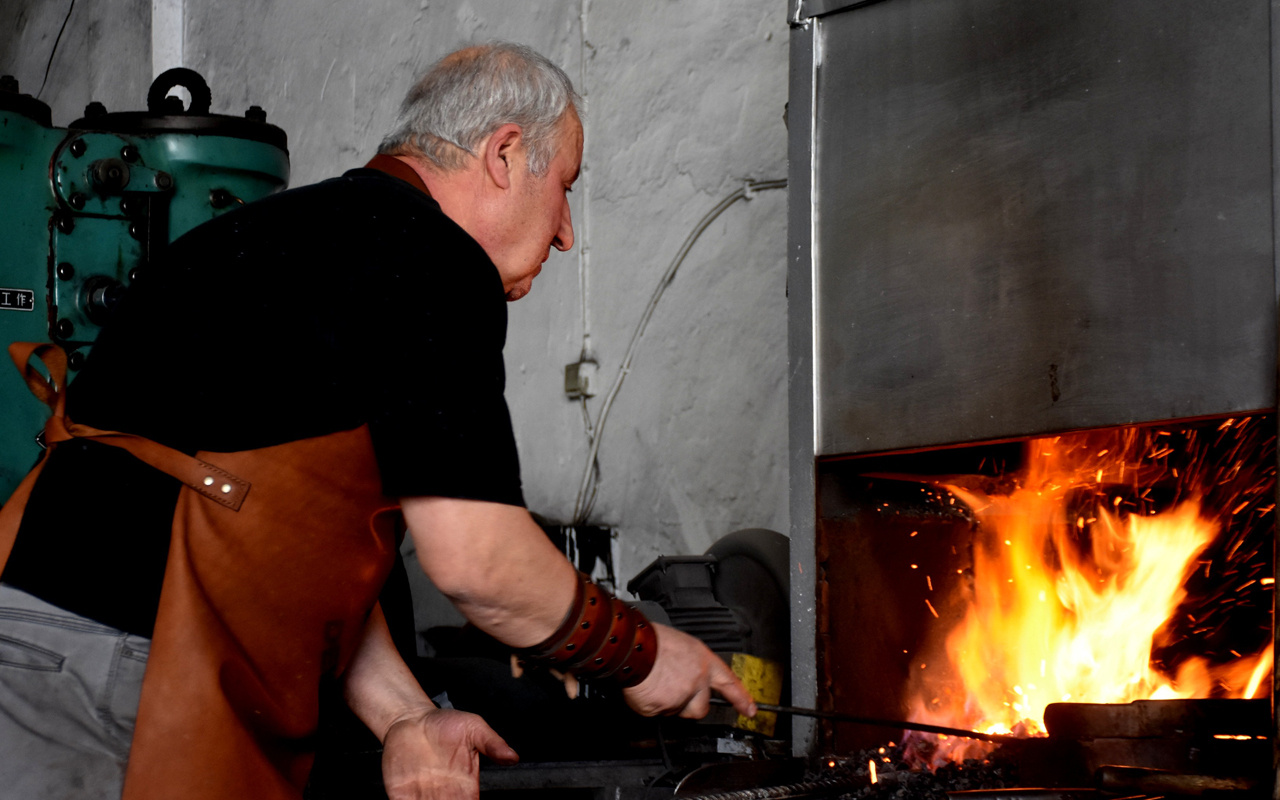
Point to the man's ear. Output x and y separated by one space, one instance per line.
499 152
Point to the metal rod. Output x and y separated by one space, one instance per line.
883 723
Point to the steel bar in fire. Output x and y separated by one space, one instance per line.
837 716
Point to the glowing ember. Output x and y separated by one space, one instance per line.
1080 579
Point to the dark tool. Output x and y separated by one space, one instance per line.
1157 781
883 723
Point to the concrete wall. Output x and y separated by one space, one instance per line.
104 53
684 100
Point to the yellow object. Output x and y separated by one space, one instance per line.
763 678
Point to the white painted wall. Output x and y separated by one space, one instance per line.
104 53
684 100
168 35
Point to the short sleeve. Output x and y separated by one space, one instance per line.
439 419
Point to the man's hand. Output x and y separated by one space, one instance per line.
682 680
505 576
427 752
434 754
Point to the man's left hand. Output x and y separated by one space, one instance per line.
435 753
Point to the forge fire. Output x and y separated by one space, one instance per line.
1105 567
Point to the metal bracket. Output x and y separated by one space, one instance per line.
111 222
804 10
795 13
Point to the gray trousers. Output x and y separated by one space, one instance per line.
69 690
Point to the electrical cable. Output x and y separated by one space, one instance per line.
591 435
586 420
747 191
595 491
662 746
584 185
54 51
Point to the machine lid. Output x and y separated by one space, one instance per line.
24 104
143 122
165 114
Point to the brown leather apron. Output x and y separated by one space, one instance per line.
276 559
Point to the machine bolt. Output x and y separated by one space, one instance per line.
77 201
133 274
65 223
78 147
8 83
95 109
137 231
220 198
64 329
75 360
126 206
100 297
164 180
256 113
66 272
111 175
129 153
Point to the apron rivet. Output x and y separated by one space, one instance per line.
226 488
208 481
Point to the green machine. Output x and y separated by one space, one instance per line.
84 210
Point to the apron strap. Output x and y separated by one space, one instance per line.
215 483
46 390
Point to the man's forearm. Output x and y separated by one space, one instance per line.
495 564
427 752
506 577
378 686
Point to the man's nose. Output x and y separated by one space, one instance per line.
564 236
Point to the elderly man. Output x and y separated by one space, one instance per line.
217 488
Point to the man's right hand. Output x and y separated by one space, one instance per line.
434 754
505 576
683 677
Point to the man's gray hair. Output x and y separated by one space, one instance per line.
469 94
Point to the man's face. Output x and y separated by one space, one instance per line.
539 216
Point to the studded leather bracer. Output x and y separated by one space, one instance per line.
600 637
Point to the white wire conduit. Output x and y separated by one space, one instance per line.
586 488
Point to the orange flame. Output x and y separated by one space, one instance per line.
1069 598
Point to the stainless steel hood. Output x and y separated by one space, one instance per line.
1011 217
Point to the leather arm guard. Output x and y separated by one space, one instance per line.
600 637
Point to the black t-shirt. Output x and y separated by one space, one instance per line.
351 301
